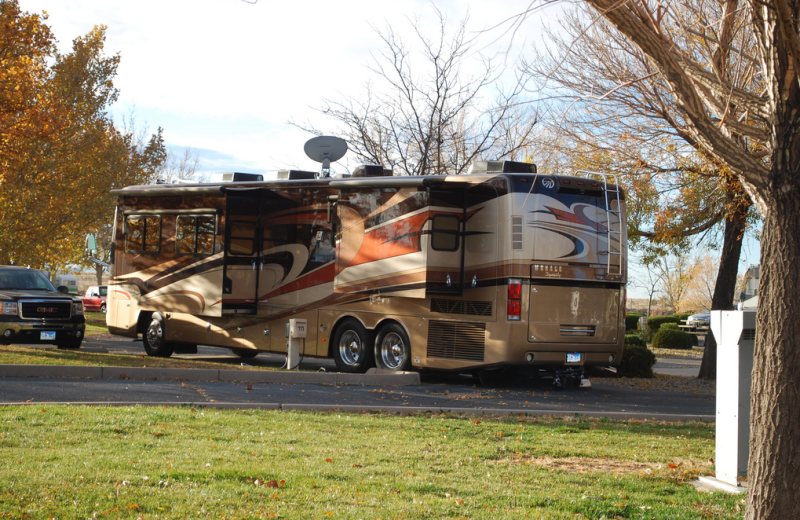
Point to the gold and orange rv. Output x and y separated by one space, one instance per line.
501 268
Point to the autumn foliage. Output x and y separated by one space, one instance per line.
60 151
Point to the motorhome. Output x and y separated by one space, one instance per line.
502 268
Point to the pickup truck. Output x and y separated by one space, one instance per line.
33 311
95 298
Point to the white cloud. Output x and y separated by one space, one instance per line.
227 75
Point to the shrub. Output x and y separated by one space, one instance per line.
669 326
637 361
632 320
655 322
672 339
634 339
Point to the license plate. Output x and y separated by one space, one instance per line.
573 357
47 336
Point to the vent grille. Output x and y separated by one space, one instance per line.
42 309
749 334
456 340
461 307
516 232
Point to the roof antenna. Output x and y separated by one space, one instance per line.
325 149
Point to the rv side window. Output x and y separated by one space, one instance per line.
242 238
194 235
144 234
444 236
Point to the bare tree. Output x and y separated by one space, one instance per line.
179 168
623 117
433 117
677 273
650 281
755 131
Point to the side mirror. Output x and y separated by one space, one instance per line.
63 289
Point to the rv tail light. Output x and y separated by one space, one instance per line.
514 297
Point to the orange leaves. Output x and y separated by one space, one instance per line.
57 136
269 483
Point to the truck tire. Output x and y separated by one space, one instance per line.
352 347
72 344
392 348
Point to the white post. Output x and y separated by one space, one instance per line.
735 335
295 332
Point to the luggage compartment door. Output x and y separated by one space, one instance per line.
572 314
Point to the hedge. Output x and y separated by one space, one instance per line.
632 320
633 339
672 339
655 322
637 361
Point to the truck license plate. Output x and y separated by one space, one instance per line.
48 336
573 357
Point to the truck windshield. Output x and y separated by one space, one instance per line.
24 280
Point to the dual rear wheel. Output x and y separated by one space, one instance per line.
356 350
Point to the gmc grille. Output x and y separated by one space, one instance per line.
456 340
46 309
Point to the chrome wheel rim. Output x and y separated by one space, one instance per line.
155 334
351 348
392 350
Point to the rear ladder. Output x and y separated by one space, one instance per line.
613 221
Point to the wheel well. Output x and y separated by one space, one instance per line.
390 321
335 329
144 320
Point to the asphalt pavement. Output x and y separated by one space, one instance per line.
435 393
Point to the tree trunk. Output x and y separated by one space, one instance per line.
774 421
98 271
725 287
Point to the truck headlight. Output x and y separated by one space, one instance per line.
8 308
77 308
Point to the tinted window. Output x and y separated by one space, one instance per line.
241 238
444 236
195 235
144 234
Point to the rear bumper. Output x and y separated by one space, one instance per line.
25 332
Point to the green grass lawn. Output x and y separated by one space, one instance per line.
96 322
18 355
147 462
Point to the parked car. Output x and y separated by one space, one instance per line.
32 310
699 320
95 298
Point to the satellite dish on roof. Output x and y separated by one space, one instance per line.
325 149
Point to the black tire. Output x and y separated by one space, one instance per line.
245 353
393 349
352 347
154 342
103 308
72 344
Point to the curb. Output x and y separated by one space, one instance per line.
299 407
373 377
